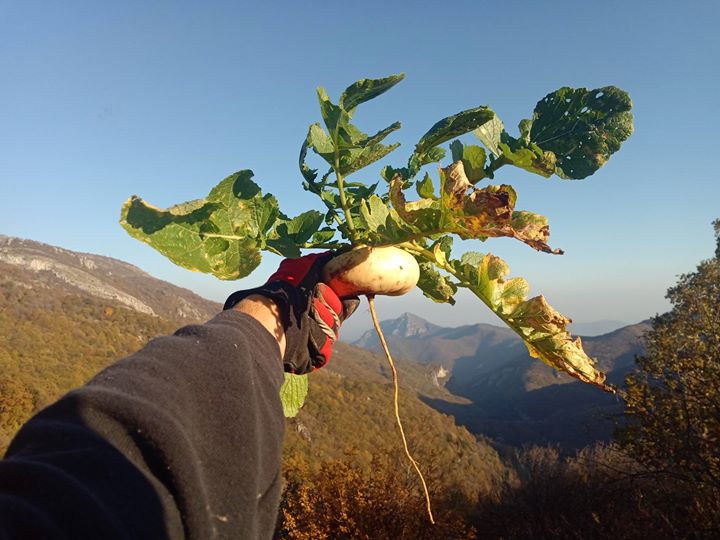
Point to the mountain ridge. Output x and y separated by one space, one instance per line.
105 278
504 389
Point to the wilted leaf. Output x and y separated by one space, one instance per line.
489 212
541 327
293 393
221 235
582 127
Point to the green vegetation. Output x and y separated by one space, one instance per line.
52 341
572 132
673 399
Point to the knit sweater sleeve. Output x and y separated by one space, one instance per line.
181 440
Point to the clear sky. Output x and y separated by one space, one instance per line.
101 100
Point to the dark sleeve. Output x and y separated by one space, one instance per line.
181 440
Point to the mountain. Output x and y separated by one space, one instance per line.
412 337
43 266
511 397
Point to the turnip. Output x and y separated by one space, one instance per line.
386 244
372 270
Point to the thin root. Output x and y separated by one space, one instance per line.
371 301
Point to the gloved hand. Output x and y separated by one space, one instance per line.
312 313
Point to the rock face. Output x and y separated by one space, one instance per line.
43 265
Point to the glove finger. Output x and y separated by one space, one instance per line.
326 310
349 305
319 347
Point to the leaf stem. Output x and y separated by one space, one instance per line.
495 165
343 202
323 245
371 302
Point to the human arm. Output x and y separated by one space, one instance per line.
180 440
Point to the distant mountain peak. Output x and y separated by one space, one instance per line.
408 325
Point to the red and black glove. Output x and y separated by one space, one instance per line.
312 312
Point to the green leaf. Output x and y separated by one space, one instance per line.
382 224
221 235
533 159
380 135
425 188
284 246
541 327
323 236
333 116
374 213
293 393
320 142
367 89
309 174
582 127
490 134
358 159
473 158
417 161
453 126
359 190
301 228
434 285
388 173
442 248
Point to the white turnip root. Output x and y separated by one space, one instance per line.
372 270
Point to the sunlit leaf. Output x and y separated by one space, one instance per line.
434 285
452 127
473 158
221 235
367 89
490 134
425 188
293 393
582 127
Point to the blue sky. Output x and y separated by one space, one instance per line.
102 100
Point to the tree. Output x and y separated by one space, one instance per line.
672 403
